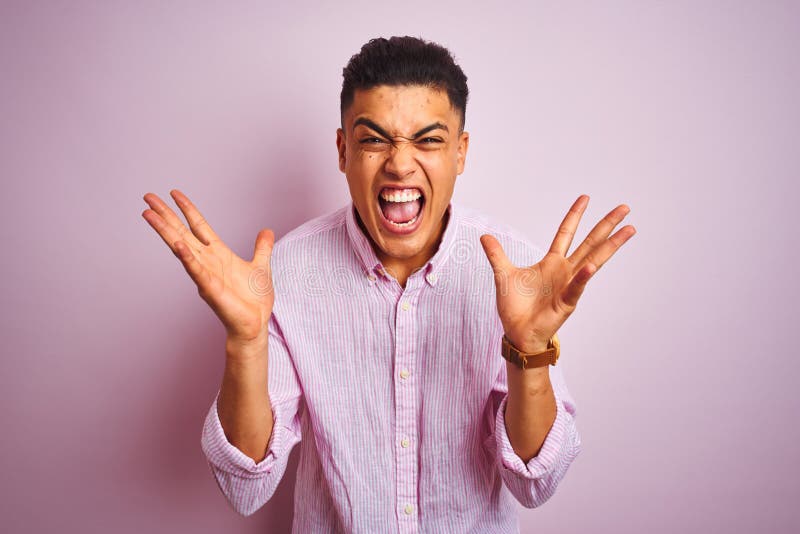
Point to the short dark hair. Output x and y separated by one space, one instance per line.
405 61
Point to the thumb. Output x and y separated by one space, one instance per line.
495 253
264 242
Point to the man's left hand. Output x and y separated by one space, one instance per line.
533 302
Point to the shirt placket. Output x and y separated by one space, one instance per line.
406 417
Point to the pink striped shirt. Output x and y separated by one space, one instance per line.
398 394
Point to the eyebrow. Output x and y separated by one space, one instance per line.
370 124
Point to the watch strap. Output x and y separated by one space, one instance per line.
527 360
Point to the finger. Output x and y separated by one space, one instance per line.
577 285
495 253
569 225
599 233
603 253
196 271
164 211
197 222
167 232
264 243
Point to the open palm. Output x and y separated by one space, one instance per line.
238 291
534 301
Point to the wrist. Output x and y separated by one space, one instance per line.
542 372
249 349
533 382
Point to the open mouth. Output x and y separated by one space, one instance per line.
401 208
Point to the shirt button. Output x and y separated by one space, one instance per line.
404 374
431 278
404 443
405 306
409 509
371 277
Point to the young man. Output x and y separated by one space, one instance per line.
375 336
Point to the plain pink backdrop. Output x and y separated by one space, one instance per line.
681 355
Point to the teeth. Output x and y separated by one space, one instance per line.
407 223
406 195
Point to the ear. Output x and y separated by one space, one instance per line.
341 146
463 145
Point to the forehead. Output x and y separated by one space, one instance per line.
401 109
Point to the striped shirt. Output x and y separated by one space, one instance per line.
396 395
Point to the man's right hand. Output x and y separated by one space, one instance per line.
240 292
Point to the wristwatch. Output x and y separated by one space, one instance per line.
527 360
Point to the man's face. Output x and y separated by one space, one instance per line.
401 150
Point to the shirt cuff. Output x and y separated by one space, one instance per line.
223 455
553 448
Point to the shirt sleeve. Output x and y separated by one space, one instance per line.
534 482
247 485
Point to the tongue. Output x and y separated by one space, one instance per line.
400 212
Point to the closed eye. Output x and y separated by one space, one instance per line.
372 140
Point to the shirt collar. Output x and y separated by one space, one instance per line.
369 260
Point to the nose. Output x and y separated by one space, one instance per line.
401 162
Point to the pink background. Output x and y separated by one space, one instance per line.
681 356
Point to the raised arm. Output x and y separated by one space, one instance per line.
240 294
534 301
